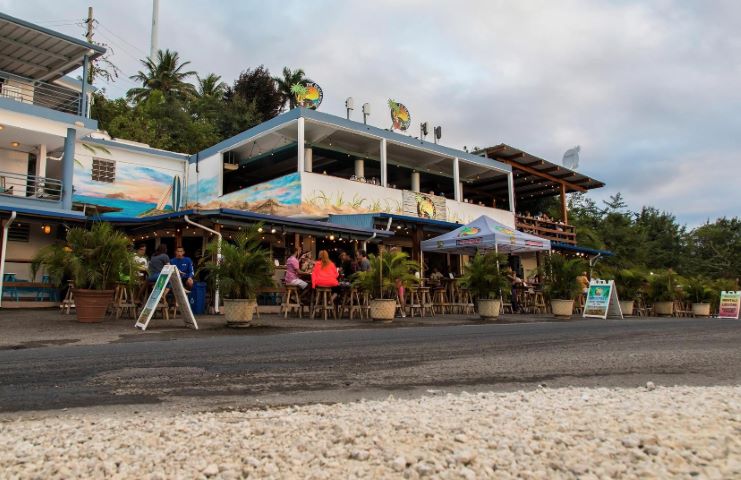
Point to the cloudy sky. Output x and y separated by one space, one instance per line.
649 89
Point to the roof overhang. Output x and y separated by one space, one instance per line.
37 53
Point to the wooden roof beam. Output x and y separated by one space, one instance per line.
549 177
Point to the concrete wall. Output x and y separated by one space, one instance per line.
20 254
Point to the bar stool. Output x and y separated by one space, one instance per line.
415 304
465 302
365 303
291 302
539 305
426 301
351 303
323 303
69 299
123 301
440 300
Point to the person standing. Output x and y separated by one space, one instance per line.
184 266
292 270
158 262
583 281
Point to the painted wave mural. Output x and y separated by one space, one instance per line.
281 196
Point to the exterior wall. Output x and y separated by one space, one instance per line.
20 254
205 183
12 161
280 196
143 183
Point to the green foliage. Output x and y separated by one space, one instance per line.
699 290
257 87
629 282
485 275
244 268
560 277
165 75
663 286
287 84
385 270
94 259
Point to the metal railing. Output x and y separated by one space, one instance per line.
30 186
40 93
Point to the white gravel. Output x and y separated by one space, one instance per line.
655 432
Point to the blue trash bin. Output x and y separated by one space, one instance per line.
197 298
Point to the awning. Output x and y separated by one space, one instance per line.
485 233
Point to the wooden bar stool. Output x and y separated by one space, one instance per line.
415 304
440 300
465 302
323 303
69 299
351 304
426 301
291 302
124 302
539 305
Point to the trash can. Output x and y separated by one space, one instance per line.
197 298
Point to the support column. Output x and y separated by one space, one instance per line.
457 190
83 93
511 191
301 148
359 168
384 175
41 161
178 238
309 159
564 211
415 181
68 168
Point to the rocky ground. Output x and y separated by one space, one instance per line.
647 432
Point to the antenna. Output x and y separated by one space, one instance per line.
438 133
349 106
423 130
366 112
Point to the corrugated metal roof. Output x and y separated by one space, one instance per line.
35 52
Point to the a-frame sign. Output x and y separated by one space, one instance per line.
169 274
602 300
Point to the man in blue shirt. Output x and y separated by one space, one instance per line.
184 266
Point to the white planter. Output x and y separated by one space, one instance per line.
664 308
701 309
627 307
489 308
562 308
383 309
238 312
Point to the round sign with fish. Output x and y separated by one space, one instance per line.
425 207
400 116
308 95
468 231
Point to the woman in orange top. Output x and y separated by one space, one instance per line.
325 272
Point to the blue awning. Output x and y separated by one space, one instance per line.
577 249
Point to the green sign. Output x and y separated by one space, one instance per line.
602 300
167 275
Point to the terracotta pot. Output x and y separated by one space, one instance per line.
238 312
664 308
91 304
562 308
489 308
383 309
627 307
701 309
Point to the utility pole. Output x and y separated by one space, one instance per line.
89 21
155 28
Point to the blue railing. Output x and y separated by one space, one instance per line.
40 93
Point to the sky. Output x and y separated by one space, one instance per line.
649 89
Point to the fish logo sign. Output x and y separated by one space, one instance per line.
468 231
400 116
308 95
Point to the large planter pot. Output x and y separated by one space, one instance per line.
701 309
238 312
664 308
383 309
91 305
562 308
626 306
489 308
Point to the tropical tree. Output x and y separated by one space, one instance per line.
285 85
211 86
164 74
255 86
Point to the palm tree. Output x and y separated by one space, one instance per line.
164 74
211 86
285 83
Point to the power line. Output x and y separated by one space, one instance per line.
122 39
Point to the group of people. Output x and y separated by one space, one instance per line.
324 273
151 268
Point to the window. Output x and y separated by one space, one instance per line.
104 170
19 232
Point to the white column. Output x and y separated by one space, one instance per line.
384 176
456 181
309 159
41 161
511 188
359 167
415 181
300 141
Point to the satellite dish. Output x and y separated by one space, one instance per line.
571 158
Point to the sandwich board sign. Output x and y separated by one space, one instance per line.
169 274
730 304
602 300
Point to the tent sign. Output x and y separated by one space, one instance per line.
166 275
602 300
730 304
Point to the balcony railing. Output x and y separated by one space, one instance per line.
30 186
40 93
549 229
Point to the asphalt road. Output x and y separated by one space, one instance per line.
325 366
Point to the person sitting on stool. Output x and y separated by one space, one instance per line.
184 266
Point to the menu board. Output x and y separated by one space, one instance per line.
730 303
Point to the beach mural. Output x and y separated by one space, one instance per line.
137 191
281 196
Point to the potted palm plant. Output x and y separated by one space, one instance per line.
561 287
663 292
700 293
387 270
95 260
628 283
242 270
485 277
